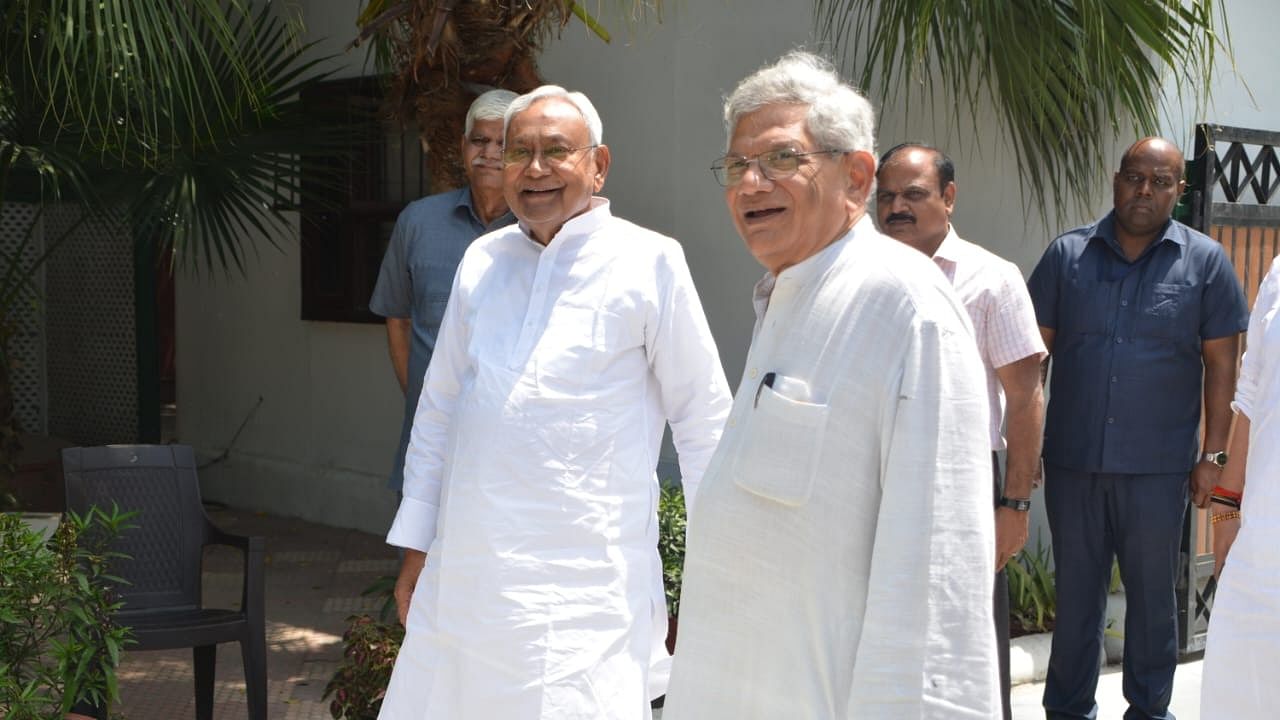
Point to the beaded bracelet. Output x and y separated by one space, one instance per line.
1233 515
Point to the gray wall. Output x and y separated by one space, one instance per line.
321 443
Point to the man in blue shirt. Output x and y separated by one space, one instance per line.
1135 309
426 246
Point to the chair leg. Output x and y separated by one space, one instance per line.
205 658
253 650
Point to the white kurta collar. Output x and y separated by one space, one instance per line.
806 270
588 222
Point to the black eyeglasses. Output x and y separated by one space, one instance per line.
774 165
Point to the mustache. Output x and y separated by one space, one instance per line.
895 217
482 161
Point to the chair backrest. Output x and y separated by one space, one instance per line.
159 482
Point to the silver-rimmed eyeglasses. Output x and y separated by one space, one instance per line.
774 165
551 155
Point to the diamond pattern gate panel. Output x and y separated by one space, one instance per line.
22 241
92 347
1234 199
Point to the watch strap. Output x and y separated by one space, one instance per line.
1019 504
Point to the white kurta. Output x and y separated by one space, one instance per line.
1243 647
529 478
839 561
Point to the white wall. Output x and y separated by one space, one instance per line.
1246 95
321 443
318 444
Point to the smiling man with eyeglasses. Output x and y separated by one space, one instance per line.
839 560
531 587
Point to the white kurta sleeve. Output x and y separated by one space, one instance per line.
424 462
927 648
1264 308
695 395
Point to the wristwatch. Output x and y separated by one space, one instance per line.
1019 504
1218 458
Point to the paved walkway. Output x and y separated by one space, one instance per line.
314 578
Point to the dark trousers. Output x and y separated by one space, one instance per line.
1000 597
1138 520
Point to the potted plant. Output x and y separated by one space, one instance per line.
58 644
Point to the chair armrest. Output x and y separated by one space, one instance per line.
246 543
254 549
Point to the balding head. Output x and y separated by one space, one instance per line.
1155 147
1146 188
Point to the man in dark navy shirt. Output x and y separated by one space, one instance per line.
1135 309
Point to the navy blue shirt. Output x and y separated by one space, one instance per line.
417 272
1126 389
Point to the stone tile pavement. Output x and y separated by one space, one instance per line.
314 578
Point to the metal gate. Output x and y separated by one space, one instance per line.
1234 198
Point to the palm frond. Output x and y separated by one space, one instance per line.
1066 77
216 193
123 71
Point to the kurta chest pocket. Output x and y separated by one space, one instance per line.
779 455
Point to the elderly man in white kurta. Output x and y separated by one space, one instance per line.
839 560
531 586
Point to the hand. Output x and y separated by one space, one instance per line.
1224 536
1203 477
410 569
1011 534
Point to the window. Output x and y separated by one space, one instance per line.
346 224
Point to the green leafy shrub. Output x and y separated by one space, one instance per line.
671 528
1033 597
58 644
369 654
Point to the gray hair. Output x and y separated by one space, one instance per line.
491 105
839 117
595 129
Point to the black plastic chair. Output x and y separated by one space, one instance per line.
162 603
